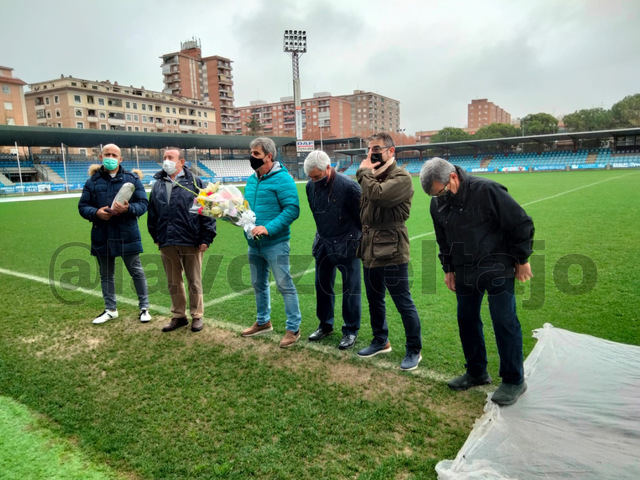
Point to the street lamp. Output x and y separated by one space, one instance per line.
295 43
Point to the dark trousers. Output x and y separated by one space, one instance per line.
326 267
394 278
470 290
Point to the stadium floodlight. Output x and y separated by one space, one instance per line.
295 43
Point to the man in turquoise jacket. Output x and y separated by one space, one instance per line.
273 196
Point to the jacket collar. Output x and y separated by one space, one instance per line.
162 175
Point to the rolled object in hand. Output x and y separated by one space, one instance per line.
124 194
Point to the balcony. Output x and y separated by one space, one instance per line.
188 128
115 121
159 125
92 118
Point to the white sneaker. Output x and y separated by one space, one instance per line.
105 316
144 315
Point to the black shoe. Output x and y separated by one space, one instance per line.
319 334
175 323
348 341
508 393
463 382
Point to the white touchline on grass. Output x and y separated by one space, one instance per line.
74 288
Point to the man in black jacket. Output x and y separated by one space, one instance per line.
115 230
334 200
182 237
485 240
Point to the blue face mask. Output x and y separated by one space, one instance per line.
110 163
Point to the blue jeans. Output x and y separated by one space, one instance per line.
394 278
326 267
470 290
107 279
274 257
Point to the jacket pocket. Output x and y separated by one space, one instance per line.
385 244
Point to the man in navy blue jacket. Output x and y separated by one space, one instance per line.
182 237
334 200
115 230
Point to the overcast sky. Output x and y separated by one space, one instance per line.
433 56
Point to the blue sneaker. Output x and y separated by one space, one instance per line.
410 361
375 349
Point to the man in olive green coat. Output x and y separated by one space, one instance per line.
384 208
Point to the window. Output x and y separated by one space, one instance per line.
128 104
90 99
150 108
167 109
103 126
6 89
78 112
79 125
129 128
205 114
58 113
135 117
206 124
48 114
10 121
144 117
56 99
145 128
128 117
76 98
59 125
144 106
8 106
40 114
174 109
135 106
136 129
101 101
102 115
46 100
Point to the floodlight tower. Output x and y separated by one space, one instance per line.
295 42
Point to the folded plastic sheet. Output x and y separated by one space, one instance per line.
579 418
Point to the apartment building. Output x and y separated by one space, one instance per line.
70 102
481 112
188 74
12 105
372 113
323 116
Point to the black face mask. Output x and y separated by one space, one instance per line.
256 163
322 182
377 157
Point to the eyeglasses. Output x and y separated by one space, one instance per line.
378 149
442 191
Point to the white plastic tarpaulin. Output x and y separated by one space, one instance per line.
579 419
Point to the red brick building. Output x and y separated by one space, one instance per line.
481 112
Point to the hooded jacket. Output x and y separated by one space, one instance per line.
120 234
274 199
169 221
481 228
384 208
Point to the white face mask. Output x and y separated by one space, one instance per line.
169 166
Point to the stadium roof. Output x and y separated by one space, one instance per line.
73 137
506 141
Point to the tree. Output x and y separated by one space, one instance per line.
450 134
254 126
626 113
497 130
589 119
539 124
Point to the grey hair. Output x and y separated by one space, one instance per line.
435 169
177 149
385 137
266 144
316 159
111 145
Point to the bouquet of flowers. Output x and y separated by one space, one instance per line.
124 194
225 202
